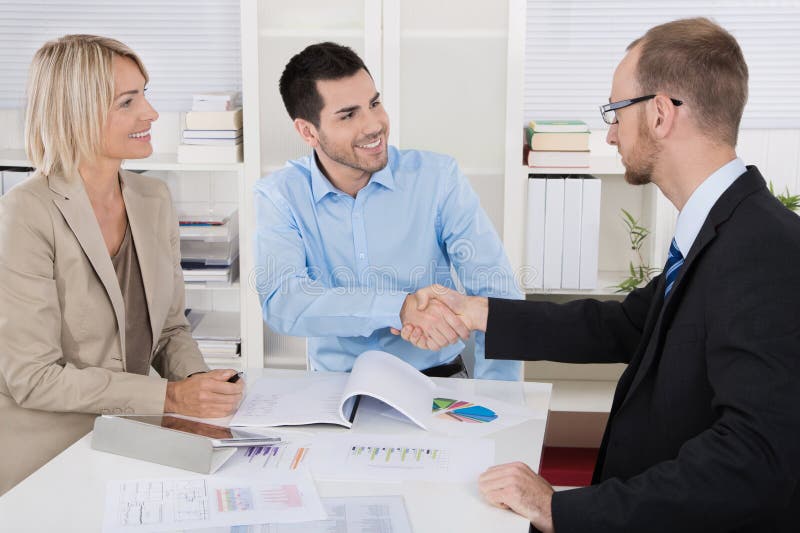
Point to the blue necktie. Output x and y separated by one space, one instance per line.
673 266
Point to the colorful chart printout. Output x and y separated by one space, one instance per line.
462 411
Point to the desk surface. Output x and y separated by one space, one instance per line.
67 494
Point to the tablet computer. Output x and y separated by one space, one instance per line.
220 436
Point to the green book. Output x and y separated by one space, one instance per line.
559 126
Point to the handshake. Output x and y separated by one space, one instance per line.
435 317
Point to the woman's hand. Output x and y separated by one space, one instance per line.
205 395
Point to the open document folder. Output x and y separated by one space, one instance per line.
333 397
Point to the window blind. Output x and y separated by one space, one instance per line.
187 46
573 46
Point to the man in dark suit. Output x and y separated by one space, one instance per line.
704 430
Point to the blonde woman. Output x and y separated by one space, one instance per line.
91 291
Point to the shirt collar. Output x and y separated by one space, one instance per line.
694 213
321 186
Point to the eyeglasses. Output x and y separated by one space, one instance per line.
609 111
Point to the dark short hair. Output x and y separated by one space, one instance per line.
322 61
697 61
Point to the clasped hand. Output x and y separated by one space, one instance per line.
434 317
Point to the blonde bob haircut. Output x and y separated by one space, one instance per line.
70 92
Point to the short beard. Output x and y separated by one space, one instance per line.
351 161
643 157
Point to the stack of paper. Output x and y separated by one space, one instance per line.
213 132
209 247
218 333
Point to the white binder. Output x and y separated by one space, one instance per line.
553 232
571 258
534 231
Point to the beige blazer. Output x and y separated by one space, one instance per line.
62 333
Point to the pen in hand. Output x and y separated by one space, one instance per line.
234 378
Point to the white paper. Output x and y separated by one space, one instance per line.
469 414
395 458
474 415
260 461
202 502
330 397
391 380
310 399
360 514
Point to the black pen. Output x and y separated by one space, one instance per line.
234 378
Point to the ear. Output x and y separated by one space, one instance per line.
307 131
663 120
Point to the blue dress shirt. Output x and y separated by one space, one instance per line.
695 211
337 269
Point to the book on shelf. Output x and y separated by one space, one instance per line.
558 126
217 153
558 159
212 134
214 120
574 141
334 397
216 101
213 141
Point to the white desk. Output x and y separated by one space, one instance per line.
67 494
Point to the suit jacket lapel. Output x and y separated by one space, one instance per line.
76 209
142 218
745 185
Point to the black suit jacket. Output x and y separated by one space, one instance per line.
704 430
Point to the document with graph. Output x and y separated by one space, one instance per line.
205 501
265 460
394 458
332 397
352 514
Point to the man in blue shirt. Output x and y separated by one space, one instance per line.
348 234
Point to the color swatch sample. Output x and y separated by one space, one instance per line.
281 497
462 411
234 499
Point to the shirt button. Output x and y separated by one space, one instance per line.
361 256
